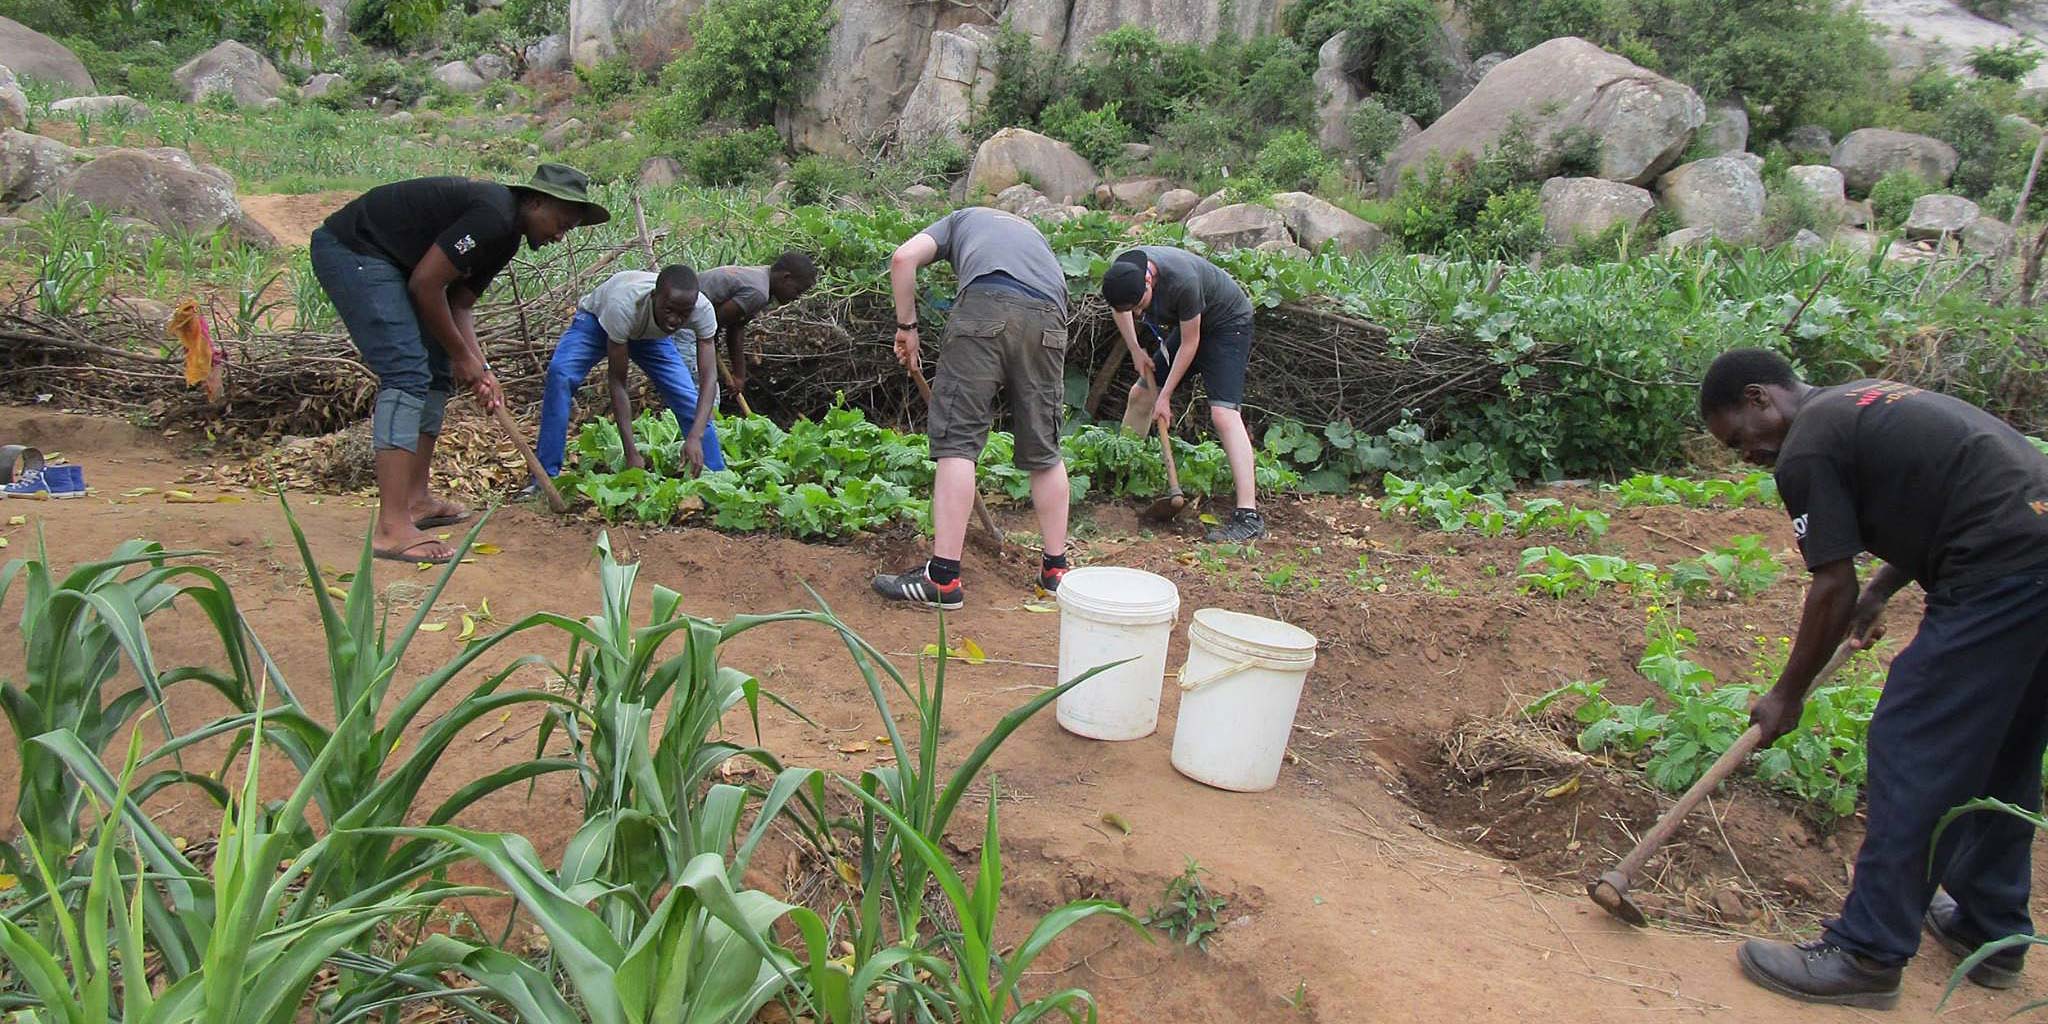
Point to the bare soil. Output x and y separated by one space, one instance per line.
1380 881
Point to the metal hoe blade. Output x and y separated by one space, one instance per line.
1611 892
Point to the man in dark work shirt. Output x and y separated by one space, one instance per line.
404 264
1951 498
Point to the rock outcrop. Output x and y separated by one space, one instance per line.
30 164
13 102
1134 193
1868 154
1726 130
1315 222
1575 208
1825 185
458 76
164 187
1565 89
1721 194
1176 205
1336 95
31 54
230 68
99 106
321 85
1016 155
601 28
1938 215
1240 226
959 70
1990 236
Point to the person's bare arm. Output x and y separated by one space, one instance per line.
707 380
616 362
1823 622
909 258
1183 358
446 309
1866 624
1127 326
732 322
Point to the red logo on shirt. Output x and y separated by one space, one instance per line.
1888 393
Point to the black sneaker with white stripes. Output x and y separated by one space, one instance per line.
1244 524
916 587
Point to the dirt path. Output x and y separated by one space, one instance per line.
292 218
1340 889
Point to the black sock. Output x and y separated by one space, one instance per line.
1046 561
943 570
1243 511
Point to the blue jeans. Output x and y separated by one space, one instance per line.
583 346
1964 714
413 380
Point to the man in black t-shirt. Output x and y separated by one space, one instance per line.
404 264
1950 497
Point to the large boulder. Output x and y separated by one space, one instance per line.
13 102
602 28
1575 208
660 172
321 85
1566 90
1921 34
457 76
1336 95
1824 185
1070 25
873 57
559 136
959 71
1175 205
99 106
550 53
1726 131
1868 154
174 193
492 67
32 54
1015 155
1315 222
1134 193
1990 236
30 164
1210 203
1240 226
232 69
1938 215
1685 238
1722 194
1810 142
334 21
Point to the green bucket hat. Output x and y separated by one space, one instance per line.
568 184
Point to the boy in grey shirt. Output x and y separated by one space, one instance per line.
1007 332
740 294
640 316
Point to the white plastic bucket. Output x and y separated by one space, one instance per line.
1108 614
1239 689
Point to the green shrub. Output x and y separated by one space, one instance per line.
1931 89
1098 135
1395 46
1131 67
1292 161
1025 79
2006 62
1276 82
749 55
396 23
1790 209
731 158
1509 226
1375 131
388 79
1892 198
816 179
1512 26
610 78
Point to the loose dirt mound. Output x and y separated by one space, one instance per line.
292 218
1516 789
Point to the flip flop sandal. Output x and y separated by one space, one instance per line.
444 520
399 554
27 458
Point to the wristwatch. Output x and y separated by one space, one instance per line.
906 327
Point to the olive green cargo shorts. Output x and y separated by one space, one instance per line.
1000 340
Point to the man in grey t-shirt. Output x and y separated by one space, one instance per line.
1198 319
740 294
1007 333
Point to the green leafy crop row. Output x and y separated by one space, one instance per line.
843 474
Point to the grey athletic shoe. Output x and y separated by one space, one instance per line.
1244 524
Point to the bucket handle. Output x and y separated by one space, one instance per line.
1190 686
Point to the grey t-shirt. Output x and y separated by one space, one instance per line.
747 286
1189 286
979 241
624 307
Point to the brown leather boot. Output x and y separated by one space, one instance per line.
1820 972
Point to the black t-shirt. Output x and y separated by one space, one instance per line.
476 223
1938 488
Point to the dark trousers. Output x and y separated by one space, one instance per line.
1964 715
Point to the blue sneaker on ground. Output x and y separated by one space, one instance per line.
33 484
65 481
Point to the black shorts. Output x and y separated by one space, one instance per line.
1221 360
